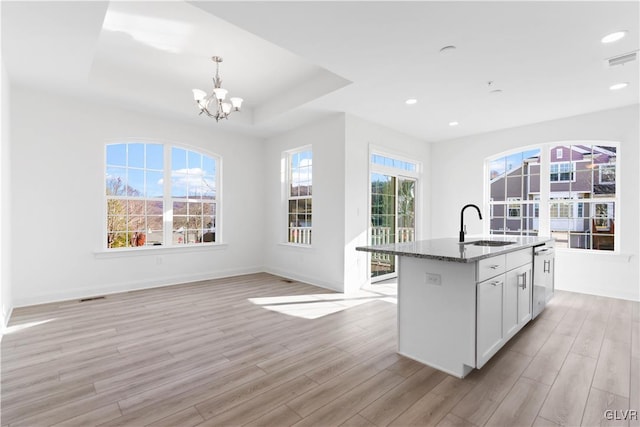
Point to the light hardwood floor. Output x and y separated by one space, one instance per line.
259 350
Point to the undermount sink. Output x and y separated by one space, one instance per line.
491 243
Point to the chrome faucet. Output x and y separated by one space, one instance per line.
463 229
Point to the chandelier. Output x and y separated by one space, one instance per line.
213 105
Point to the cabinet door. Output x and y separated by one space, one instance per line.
510 309
489 319
524 294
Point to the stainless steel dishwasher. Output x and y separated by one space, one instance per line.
543 276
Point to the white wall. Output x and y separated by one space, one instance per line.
340 199
457 176
57 153
360 136
6 301
322 263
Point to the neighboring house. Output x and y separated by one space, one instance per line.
582 191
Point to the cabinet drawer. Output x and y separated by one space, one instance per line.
491 267
518 258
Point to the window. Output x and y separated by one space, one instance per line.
514 178
607 174
581 188
193 191
561 172
514 209
582 206
159 196
299 196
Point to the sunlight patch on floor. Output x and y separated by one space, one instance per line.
313 306
21 327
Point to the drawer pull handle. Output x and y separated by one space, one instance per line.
494 266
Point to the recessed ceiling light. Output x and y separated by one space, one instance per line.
453 123
447 50
614 37
496 91
411 101
618 86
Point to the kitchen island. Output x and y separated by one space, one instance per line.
459 303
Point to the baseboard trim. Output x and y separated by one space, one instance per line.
337 287
132 286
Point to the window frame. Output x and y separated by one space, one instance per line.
303 233
167 201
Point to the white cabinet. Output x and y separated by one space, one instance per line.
489 335
503 301
517 309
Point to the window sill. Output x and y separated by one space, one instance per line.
295 245
157 250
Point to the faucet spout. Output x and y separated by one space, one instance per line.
462 230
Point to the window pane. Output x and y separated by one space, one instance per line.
155 156
135 154
135 183
195 208
179 208
117 154
208 166
209 187
154 208
194 160
154 187
514 186
178 159
116 181
179 184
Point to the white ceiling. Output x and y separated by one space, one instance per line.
293 62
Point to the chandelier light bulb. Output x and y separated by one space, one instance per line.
199 95
220 93
236 103
226 107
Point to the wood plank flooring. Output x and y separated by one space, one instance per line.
258 350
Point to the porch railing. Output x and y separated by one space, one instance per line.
383 236
300 235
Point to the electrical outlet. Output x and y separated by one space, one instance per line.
433 279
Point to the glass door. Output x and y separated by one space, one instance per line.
392 219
